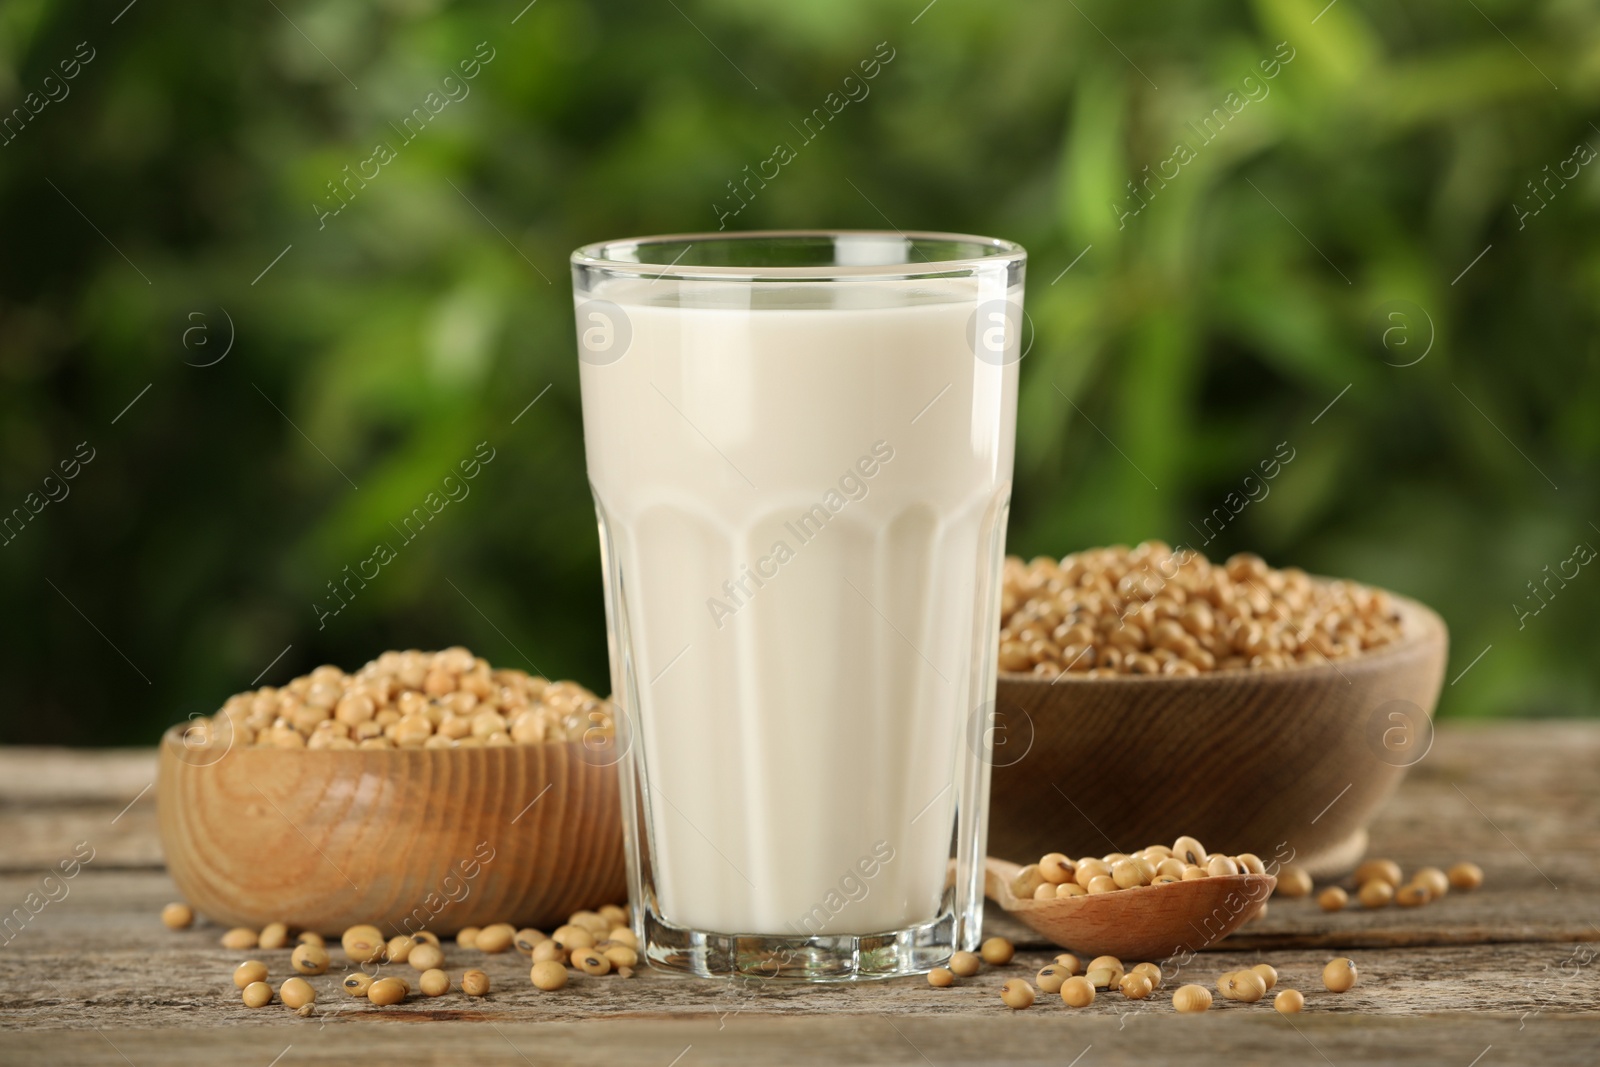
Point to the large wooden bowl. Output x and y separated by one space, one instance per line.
1282 763
404 839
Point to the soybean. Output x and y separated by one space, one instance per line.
498 937
1077 992
425 957
357 984
1435 881
309 959
1375 894
363 943
964 964
273 935
997 951
399 948
1294 882
619 955
434 983
1017 994
1190 999
257 994
551 950
1246 986
589 961
296 992
1378 870
941 978
435 700
475 983
1051 978
1110 611
386 991
1056 868
1136 985
1466 875
1339 975
1190 851
239 937
248 972
1127 874
1108 964
570 936
1409 896
548 975
591 921
1221 867
1333 899
1289 1001
1088 870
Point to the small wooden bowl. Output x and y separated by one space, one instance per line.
404 839
1289 764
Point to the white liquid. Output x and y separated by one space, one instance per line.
802 742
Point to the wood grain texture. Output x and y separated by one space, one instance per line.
1029 1038
139 975
405 838
93 977
1247 761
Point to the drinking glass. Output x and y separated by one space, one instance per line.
800 447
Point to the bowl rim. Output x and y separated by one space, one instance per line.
172 737
1429 626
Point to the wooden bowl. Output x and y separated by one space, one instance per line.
1289 764
405 839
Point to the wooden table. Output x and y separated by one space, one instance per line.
1507 974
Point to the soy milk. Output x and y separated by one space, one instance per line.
800 511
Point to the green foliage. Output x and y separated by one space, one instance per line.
1187 341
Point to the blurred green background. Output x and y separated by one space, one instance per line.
1399 224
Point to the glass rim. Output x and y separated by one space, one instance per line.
989 253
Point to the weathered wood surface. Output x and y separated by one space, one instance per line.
1510 973
1028 1038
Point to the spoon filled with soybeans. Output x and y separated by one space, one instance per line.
1152 904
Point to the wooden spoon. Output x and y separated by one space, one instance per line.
1144 923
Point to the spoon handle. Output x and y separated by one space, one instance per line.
998 874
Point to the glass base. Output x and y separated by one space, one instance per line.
838 958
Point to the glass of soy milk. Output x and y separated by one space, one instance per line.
800 447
